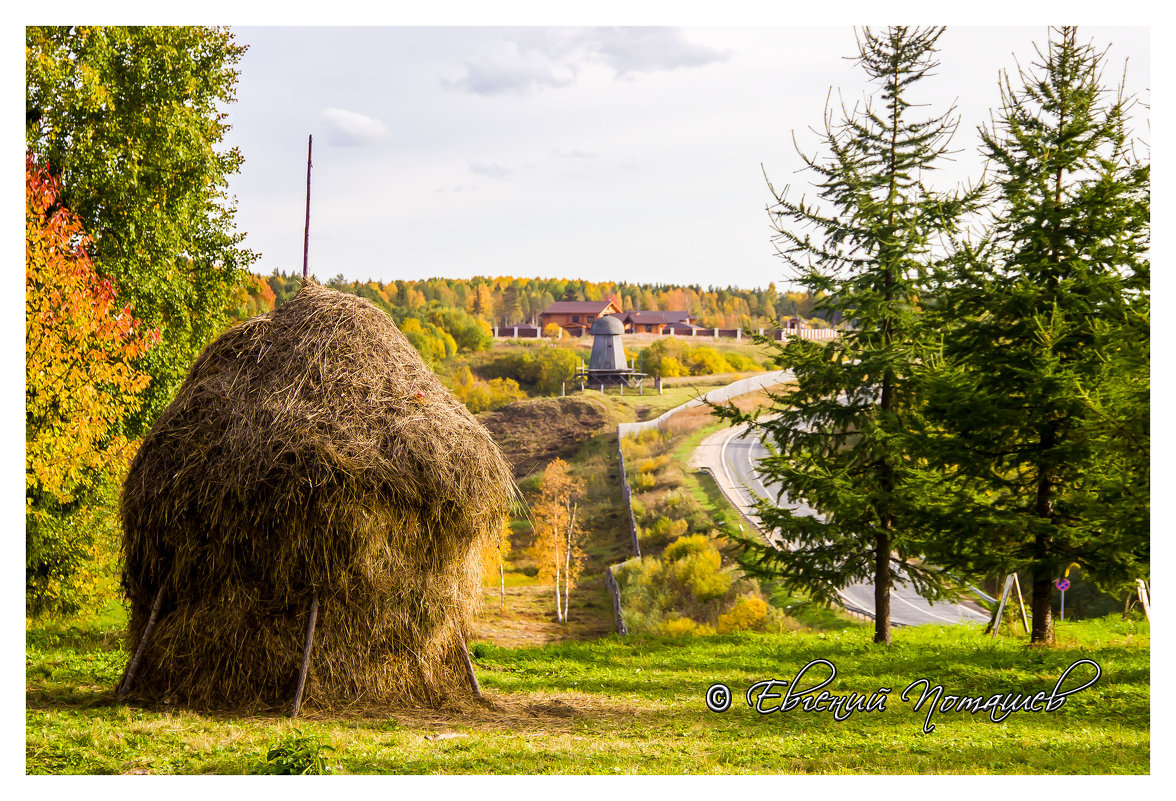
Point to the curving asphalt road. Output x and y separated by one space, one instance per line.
737 459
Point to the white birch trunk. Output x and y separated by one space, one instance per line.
568 561
558 609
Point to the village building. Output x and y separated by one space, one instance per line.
577 316
654 322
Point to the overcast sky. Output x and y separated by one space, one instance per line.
597 153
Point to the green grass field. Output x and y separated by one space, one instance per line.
636 705
575 700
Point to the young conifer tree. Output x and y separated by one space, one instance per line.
1039 408
864 252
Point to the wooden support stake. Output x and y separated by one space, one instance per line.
305 655
610 582
994 625
1021 603
142 646
469 665
1144 598
306 229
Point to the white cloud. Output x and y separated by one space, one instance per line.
512 69
633 50
490 168
352 129
551 57
571 154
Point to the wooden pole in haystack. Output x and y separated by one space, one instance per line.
469 665
305 656
314 599
130 677
306 229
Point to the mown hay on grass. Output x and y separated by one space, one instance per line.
310 451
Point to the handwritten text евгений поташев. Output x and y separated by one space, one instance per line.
775 695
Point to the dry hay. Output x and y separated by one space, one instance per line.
310 450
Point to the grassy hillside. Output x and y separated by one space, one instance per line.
581 429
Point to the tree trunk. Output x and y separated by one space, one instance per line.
1043 633
886 396
568 563
1043 630
882 589
558 609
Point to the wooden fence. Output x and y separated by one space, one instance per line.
779 335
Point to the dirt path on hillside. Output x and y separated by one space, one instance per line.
529 618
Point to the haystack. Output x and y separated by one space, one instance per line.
310 453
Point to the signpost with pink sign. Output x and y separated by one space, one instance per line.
1062 584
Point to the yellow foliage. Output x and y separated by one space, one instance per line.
669 367
482 396
644 481
653 464
696 565
679 626
749 612
558 492
494 552
81 347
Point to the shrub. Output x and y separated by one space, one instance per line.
705 360
653 464
688 546
553 366
695 566
663 530
679 626
675 499
686 588
664 358
749 612
643 481
481 396
72 554
297 755
668 367
742 363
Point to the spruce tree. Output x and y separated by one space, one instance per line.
1039 407
864 251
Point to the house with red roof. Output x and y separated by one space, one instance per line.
654 322
577 316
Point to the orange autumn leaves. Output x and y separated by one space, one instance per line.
557 547
80 344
